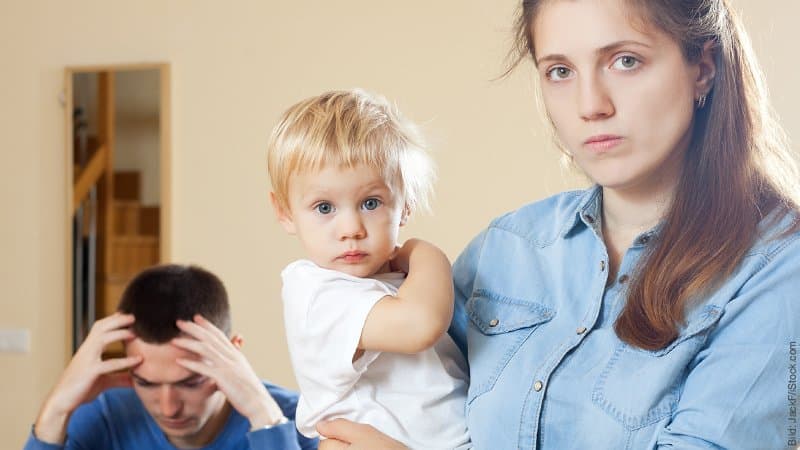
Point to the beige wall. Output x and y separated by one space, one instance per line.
236 66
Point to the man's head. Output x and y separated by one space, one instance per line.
186 406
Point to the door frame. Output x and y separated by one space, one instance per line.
165 171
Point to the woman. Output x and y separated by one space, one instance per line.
660 307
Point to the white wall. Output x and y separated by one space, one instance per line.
236 66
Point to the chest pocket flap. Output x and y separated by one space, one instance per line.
496 314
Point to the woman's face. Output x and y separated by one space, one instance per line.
621 97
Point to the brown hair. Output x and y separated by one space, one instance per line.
738 169
160 295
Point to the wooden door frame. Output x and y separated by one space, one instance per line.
165 171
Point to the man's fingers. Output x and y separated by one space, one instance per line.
210 327
117 335
201 329
114 321
203 349
115 364
196 366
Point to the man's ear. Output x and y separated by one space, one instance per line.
237 340
284 217
707 66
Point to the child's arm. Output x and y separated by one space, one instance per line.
417 317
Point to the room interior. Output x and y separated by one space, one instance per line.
231 69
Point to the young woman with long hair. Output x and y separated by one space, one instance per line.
659 308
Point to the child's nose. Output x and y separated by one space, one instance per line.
351 226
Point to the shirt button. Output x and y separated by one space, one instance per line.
581 330
589 218
602 266
493 322
623 279
538 386
644 239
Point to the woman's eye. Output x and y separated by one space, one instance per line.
626 62
371 203
324 208
559 73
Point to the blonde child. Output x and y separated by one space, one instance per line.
366 320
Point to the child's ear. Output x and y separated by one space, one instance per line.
284 217
405 215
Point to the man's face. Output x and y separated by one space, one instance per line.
186 406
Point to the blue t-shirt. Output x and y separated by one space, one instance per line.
117 420
535 311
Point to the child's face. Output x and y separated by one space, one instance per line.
347 219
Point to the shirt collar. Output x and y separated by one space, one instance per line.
589 212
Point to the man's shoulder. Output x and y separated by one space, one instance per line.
112 415
285 398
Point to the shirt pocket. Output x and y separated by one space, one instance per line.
498 327
639 387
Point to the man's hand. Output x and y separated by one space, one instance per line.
223 362
344 434
86 376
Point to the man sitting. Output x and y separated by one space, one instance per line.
184 382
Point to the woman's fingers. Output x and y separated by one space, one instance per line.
357 435
333 444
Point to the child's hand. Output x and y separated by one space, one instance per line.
399 262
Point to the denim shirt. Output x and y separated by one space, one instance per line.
535 313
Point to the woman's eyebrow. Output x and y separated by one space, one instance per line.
600 51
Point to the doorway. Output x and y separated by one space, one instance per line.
118 179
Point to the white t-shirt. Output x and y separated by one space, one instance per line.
416 399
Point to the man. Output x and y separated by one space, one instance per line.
184 383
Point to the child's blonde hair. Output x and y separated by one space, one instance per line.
345 129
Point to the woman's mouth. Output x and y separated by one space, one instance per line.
602 142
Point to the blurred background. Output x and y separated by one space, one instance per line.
197 85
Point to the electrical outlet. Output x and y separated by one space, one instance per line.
15 340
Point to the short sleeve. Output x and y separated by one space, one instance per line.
325 312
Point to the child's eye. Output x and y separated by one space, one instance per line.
371 203
144 384
324 208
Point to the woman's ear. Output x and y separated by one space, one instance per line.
707 66
284 216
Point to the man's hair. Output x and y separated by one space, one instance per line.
345 129
160 295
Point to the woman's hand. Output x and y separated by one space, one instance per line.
344 434
86 376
